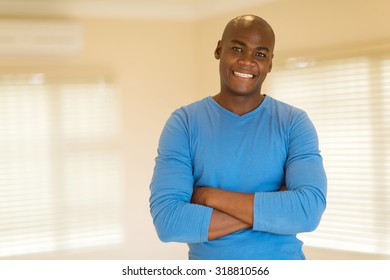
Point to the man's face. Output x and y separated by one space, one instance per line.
245 55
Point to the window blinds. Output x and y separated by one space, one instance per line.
348 100
60 178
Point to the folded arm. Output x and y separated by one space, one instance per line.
222 224
174 217
282 212
299 208
236 204
233 211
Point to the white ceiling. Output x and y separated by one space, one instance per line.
138 9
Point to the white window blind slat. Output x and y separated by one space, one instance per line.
348 100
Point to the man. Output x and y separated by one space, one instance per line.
239 174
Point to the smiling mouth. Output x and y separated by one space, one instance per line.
243 75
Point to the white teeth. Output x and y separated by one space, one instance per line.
243 75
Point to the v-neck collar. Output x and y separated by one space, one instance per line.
234 115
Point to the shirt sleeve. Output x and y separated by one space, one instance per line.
174 217
300 208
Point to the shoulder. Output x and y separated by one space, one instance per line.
185 116
193 107
282 107
190 111
301 129
286 112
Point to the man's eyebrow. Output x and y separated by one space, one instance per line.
238 42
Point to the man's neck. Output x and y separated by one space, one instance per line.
239 105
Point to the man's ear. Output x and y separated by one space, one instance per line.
217 52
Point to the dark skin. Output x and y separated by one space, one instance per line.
245 55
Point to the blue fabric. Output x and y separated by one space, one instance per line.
203 144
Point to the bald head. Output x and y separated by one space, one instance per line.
245 55
246 22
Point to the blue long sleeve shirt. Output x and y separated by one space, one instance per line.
203 144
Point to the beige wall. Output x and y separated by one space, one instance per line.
160 65
155 69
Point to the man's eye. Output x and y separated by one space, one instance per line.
236 49
262 55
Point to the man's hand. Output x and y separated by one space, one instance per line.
282 189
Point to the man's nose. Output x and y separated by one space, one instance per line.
246 59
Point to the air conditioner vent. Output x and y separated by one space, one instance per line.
40 38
